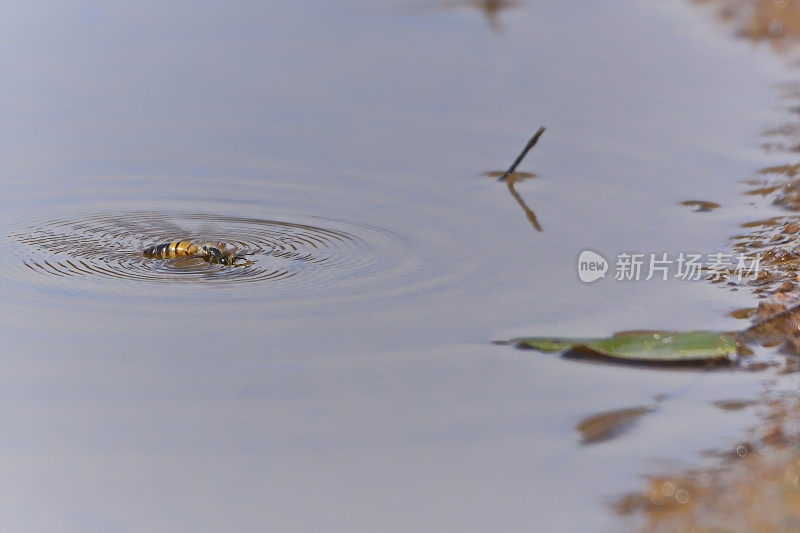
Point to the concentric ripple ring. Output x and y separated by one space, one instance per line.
292 255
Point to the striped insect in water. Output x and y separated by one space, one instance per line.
217 253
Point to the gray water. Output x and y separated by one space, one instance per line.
346 380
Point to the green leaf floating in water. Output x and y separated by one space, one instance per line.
659 347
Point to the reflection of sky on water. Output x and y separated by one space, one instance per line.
390 412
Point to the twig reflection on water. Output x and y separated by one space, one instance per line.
511 177
510 182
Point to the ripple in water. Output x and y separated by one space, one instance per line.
330 257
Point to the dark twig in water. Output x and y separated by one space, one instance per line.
522 154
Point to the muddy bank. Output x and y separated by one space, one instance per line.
753 484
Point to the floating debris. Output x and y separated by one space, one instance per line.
734 405
610 424
653 347
531 143
701 206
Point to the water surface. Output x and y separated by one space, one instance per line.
346 381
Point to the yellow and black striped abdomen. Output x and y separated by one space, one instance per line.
169 250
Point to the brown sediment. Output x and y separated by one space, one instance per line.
741 314
776 22
733 405
755 486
